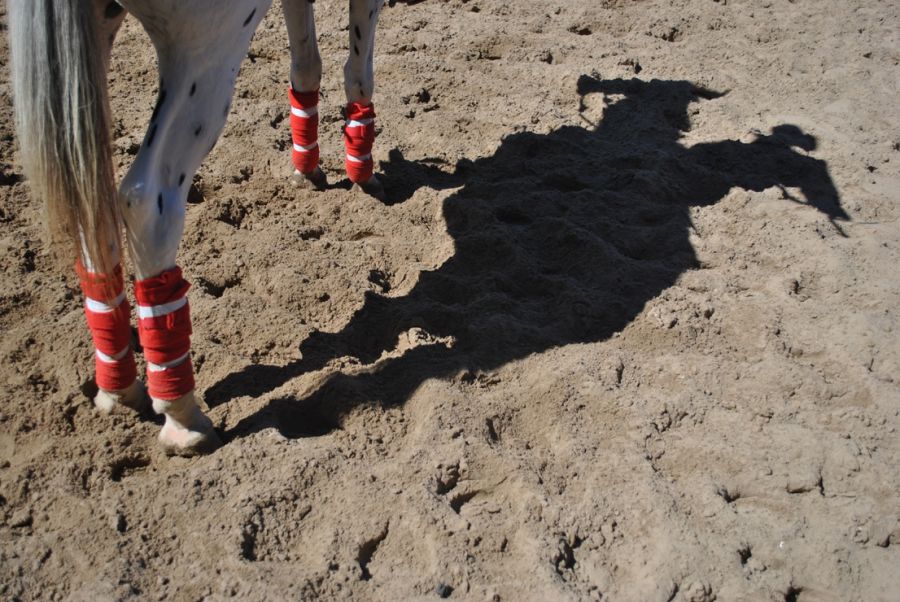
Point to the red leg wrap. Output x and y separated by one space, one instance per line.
359 136
108 317
305 130
164 324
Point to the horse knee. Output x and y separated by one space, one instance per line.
306 64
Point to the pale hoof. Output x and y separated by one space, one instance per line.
134 398
187 431
372 187
193 440
316 180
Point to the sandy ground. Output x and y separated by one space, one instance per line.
626 328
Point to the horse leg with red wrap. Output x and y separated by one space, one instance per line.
108 316
305 137
306 76
359 85
197 75
359 136
164 324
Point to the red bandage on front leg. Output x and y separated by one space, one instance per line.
359 136
305 130
164 324
108 317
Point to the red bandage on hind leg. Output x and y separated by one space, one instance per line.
359 135
108 317
164 324
305 130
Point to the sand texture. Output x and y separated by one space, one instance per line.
626 327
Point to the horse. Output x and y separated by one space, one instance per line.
60 58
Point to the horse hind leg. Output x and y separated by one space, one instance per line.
359 85
200 48
106 308
306 77
108 315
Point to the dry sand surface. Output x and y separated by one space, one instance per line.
625 329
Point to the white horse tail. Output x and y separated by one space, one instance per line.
62 118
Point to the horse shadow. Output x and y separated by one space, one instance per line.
560 238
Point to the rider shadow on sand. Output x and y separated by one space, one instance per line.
559 238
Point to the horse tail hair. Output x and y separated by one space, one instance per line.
63 125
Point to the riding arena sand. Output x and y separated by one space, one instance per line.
625 328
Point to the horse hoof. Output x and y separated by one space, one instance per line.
133 398
187 431
373 187
186 441
315 180
193 436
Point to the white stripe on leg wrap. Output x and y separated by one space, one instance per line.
155 311
305 113
99 307
151 367
112 359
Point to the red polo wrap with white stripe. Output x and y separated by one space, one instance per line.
305 130
108 317
164 324
359 136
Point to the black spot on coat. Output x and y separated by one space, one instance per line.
113 10
159 104
193 88
249 17
159 203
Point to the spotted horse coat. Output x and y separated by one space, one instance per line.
200 45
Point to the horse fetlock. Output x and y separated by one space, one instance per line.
359 136
164 327
107 313
132 398
305 130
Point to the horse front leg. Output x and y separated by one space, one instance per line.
359 85
306 76
200 48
